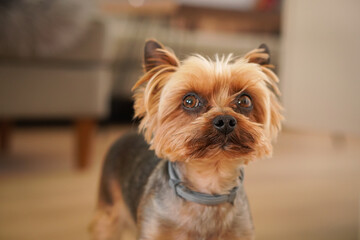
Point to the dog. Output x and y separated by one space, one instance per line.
202 120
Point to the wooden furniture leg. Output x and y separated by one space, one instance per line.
84 129
5 135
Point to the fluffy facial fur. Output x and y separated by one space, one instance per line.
190 137
209 143
179 135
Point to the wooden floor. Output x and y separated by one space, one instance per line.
310 189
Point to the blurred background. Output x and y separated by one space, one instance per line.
66 70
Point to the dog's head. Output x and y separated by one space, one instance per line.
202 109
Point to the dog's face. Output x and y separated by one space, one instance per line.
202 109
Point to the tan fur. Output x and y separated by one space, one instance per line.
109 221
209 161
158 97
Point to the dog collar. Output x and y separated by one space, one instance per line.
197 197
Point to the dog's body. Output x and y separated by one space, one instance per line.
142 176
202 121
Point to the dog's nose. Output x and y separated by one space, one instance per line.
224 123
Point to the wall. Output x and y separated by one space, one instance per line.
320 65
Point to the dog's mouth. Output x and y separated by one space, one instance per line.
232 141
213 143
225 143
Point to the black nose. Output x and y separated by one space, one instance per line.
224 123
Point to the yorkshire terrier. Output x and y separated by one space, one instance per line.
201 120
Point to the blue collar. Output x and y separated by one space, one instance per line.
197 197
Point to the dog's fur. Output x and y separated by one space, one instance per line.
134 183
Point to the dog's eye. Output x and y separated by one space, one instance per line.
191 101
244 101
244 104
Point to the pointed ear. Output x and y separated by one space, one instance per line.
156 55
260 55
159 64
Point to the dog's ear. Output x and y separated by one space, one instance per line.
159 64
260 55
156 55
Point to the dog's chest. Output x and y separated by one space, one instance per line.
205 221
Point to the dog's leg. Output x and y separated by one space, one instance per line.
111 216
